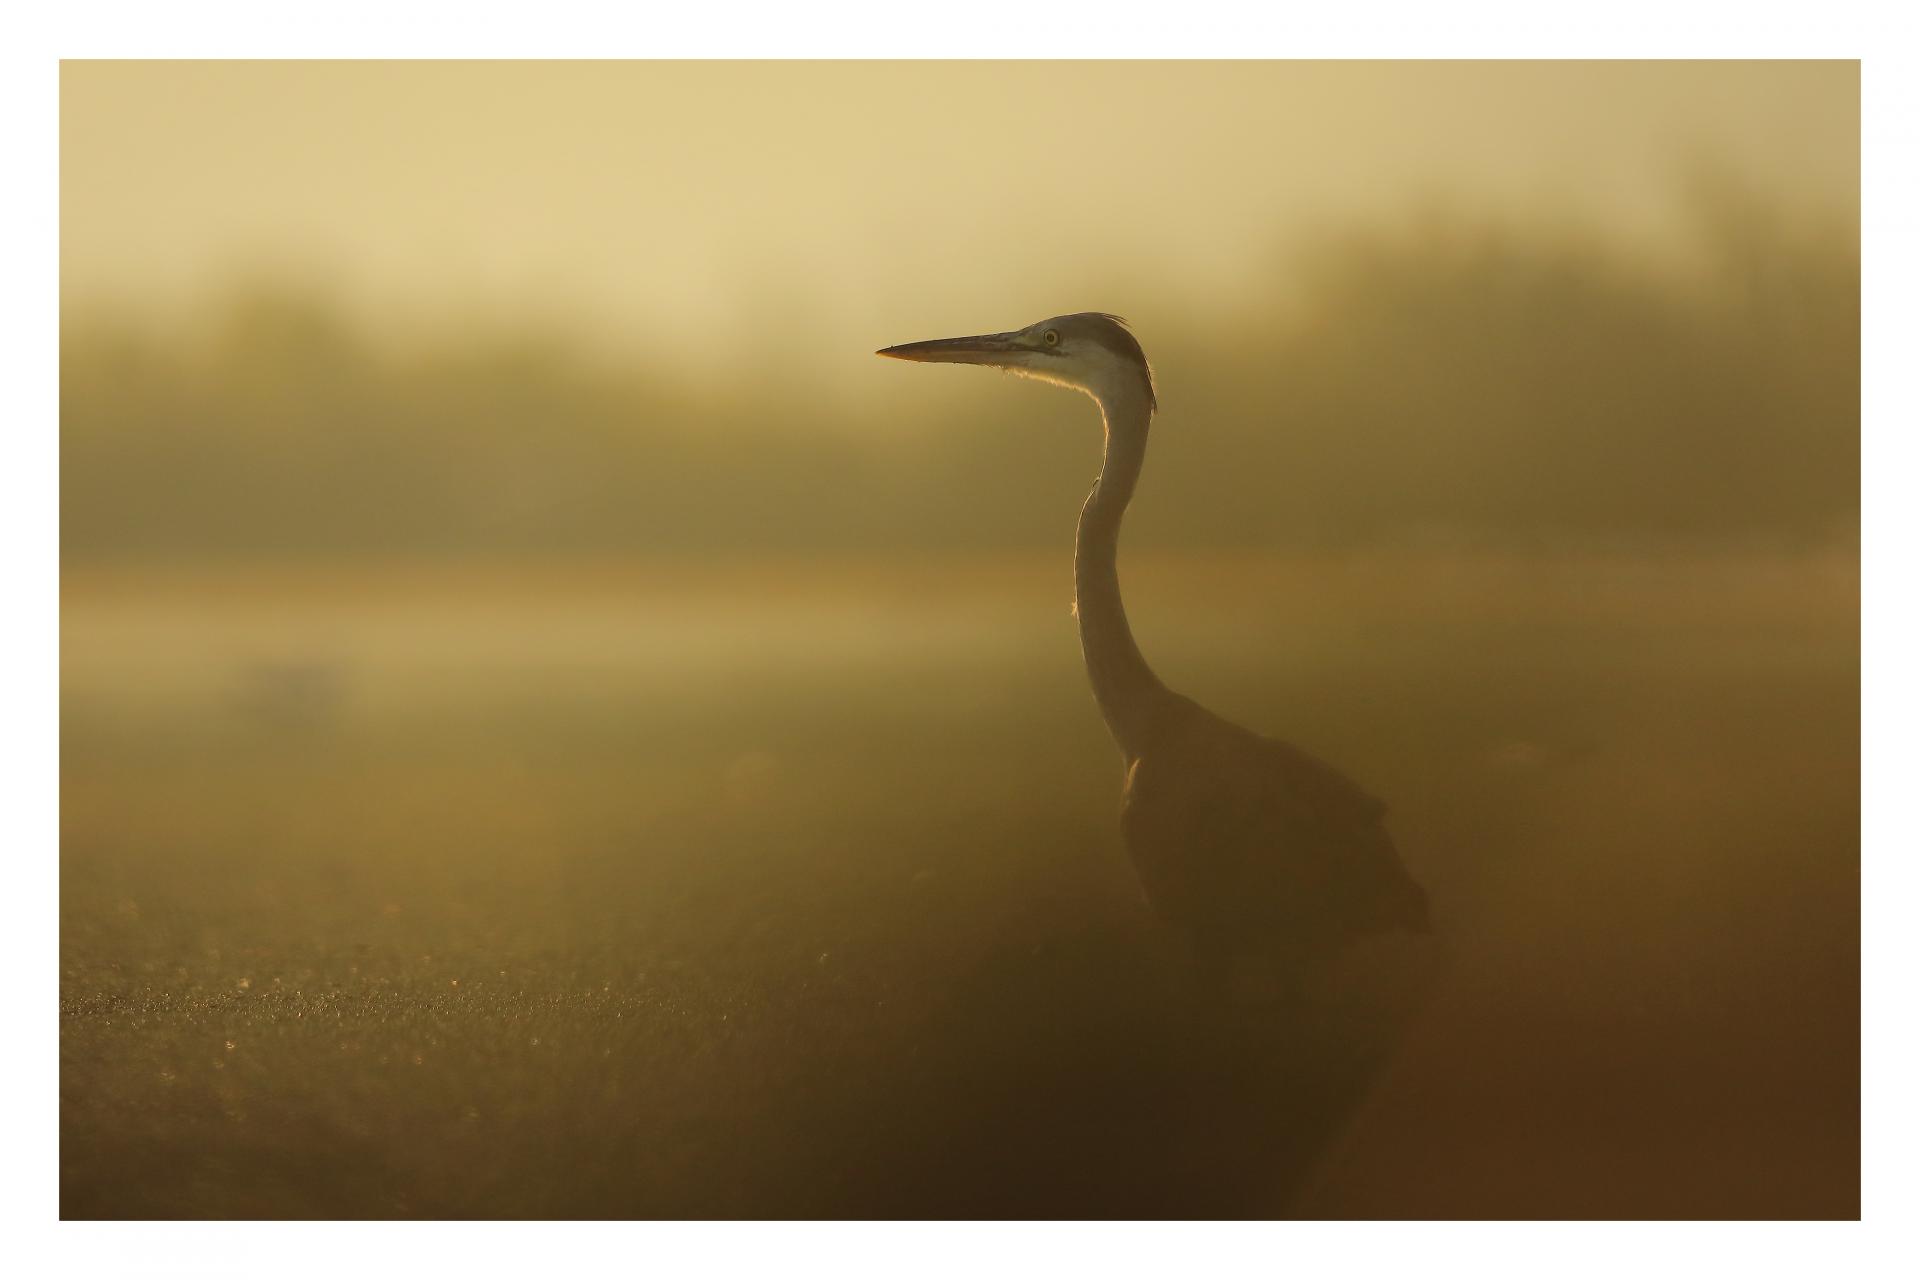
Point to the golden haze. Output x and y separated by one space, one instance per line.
552 727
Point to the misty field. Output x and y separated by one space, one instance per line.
795 889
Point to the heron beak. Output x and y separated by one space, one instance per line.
985 348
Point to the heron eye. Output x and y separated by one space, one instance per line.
1051 337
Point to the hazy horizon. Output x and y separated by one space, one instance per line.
1452 383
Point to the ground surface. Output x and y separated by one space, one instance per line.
644 892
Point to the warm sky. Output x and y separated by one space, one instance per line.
661 202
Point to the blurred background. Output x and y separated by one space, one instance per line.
551 726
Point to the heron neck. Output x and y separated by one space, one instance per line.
1123 685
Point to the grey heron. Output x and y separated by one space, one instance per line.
1245 845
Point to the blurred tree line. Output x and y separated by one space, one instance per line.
1448 380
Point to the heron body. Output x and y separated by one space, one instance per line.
1244 845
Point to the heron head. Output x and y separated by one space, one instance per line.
1089 351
